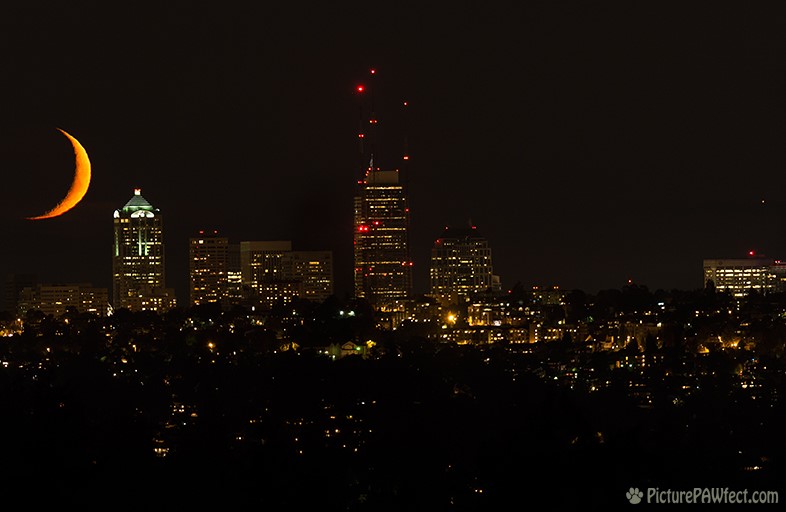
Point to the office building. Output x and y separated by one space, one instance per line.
739 276
208 268
138 278
314 271
383 273
57 299
461 265
272 273
14 284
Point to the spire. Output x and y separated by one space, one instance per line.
367 132
372 119
405 157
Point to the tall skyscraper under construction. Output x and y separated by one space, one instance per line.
383 268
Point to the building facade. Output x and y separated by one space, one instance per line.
208 268
14 284
138 279
262 271
460 265
272 273
56 299
383 268
234 292
739 276
313 270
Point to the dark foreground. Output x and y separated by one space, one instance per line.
422 428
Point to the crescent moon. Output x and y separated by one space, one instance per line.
78 187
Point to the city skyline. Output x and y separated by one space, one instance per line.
591 146
393 256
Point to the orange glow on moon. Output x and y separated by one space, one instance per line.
78 186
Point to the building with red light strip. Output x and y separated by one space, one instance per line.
383 269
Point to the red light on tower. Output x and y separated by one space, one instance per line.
373 71
360 88
751 253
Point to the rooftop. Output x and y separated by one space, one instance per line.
137 202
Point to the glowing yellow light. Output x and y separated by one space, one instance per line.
79 185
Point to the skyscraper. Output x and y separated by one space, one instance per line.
383 273
460 265
262 271
138 258
208 268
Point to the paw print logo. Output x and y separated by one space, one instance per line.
634 495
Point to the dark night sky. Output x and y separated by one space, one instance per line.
590 143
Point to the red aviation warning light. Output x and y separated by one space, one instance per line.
360 88
373 71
